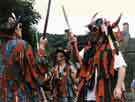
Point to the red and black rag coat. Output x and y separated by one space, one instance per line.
102 58
21 73
64 82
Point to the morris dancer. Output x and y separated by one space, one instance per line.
102 65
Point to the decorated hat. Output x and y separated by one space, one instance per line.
96 23
8 23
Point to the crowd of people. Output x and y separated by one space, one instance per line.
99 76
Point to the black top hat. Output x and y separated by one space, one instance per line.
61 50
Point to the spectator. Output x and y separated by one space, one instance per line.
125 37
132 86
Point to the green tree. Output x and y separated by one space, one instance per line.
25 9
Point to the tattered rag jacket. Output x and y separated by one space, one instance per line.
64 82
21 73
102 59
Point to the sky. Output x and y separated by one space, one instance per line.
80 11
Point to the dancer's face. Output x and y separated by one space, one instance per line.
60 57
18 30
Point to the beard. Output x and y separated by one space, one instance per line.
97 38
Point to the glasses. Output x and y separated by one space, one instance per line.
60 56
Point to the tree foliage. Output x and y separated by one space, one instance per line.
23 8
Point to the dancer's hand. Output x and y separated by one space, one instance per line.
54 71
72 38
117 92
42 43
